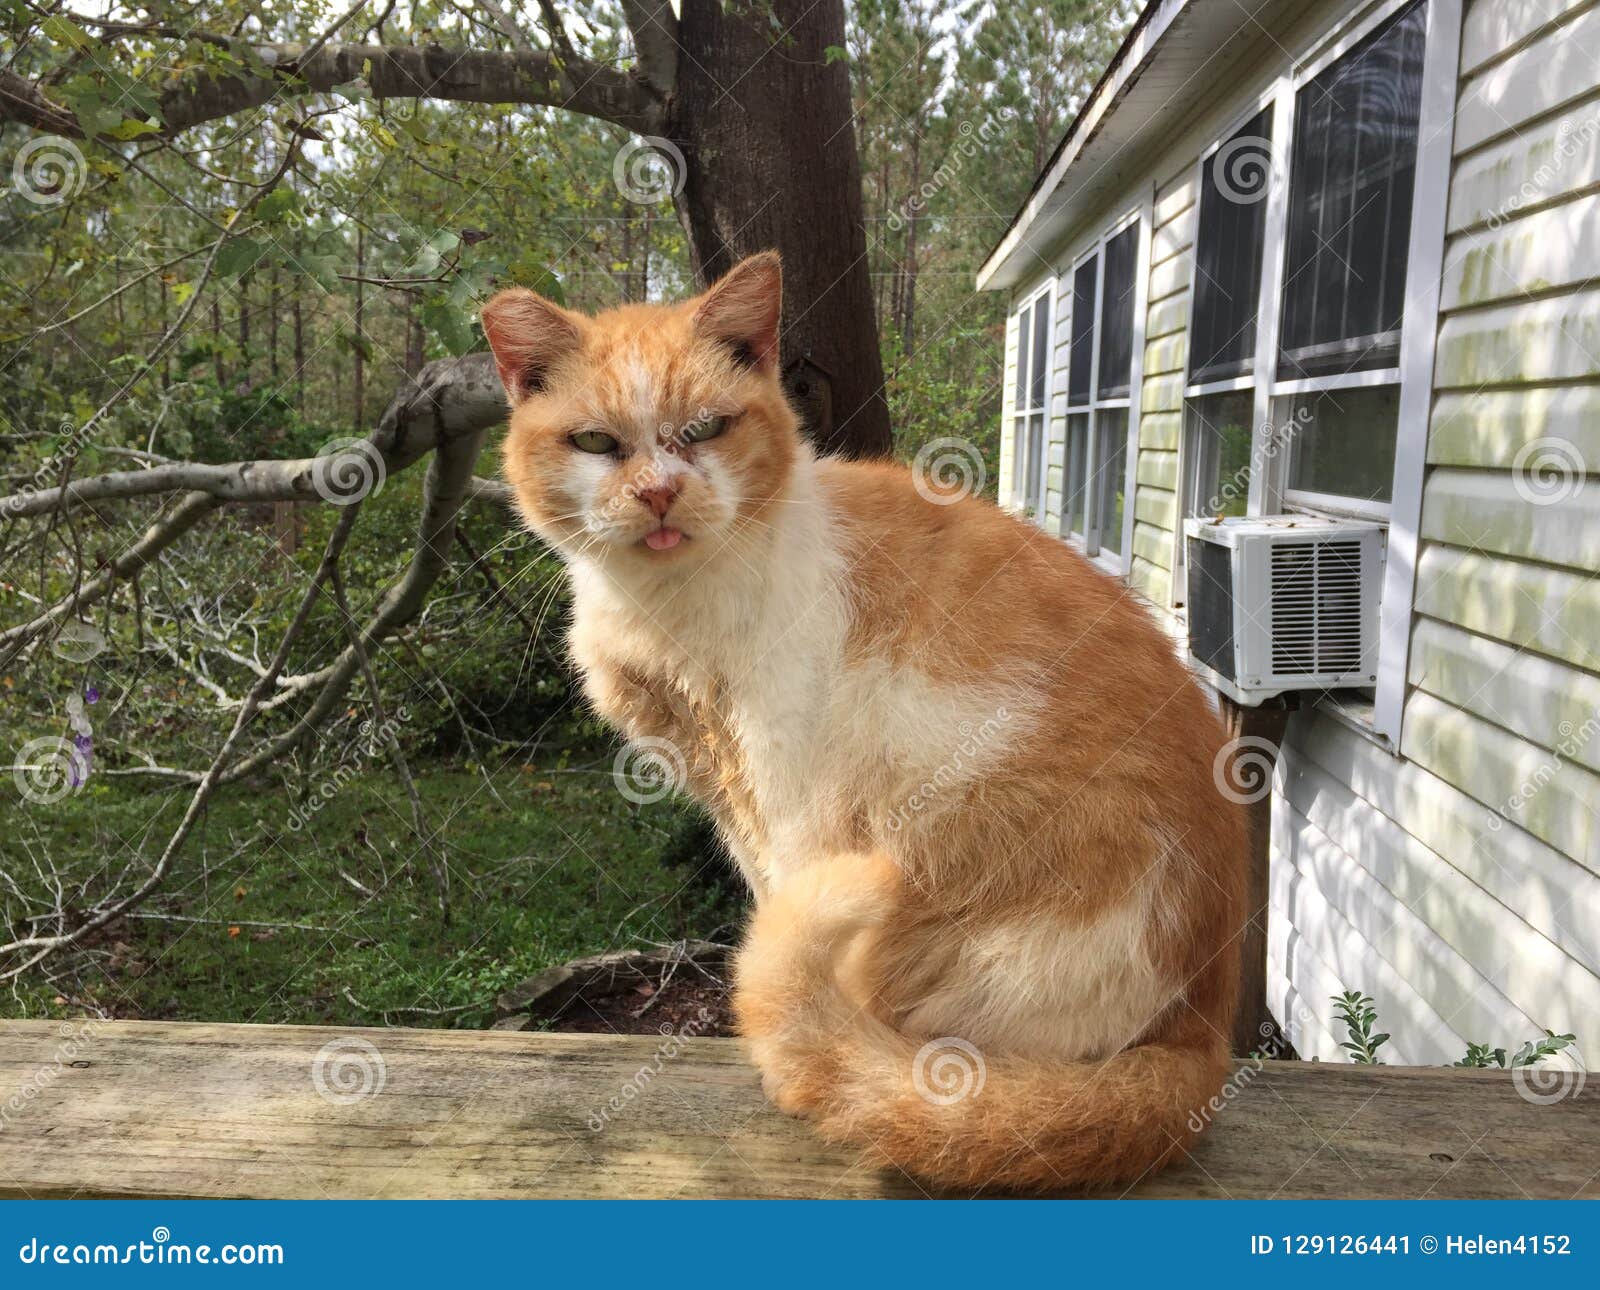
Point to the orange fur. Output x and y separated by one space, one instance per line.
964 772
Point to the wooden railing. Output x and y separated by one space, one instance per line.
166 1109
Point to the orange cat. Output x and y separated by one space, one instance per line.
965 775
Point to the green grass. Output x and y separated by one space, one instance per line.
557 865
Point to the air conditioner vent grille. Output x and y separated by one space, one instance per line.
1316 606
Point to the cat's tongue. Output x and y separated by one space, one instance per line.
663 539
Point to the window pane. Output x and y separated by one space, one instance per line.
1218 448
1111 473
1355 150
1022 358
1041 346
1227 274
1077 458
1342 442
1080 362
1019 460
1036 464
1116 315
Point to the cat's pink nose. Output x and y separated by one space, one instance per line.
659 498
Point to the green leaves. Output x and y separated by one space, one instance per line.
238 257
1360 1015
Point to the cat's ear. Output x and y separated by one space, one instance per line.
742 308
528 334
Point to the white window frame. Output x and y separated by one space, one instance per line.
1413 373
1118 563
1030 474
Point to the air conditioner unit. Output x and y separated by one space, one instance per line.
1284 602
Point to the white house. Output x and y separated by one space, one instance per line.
1333 259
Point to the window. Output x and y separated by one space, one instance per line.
1227 269
1219 405
1347 236
1218 443
1100 374
1032 396
1349 222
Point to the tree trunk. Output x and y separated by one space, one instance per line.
764 123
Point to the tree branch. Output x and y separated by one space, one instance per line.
655 40
533 77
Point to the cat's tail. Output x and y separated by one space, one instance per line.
944 1110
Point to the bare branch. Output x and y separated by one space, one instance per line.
655 39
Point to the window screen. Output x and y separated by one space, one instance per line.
1116 315
1041 344
1227 275
1080 363
1355 149
1023 318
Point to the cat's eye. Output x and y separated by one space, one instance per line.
593 441
710 428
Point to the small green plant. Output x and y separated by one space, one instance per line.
1530 1054
1360 1014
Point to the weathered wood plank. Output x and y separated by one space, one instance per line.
1171 276
169 1109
